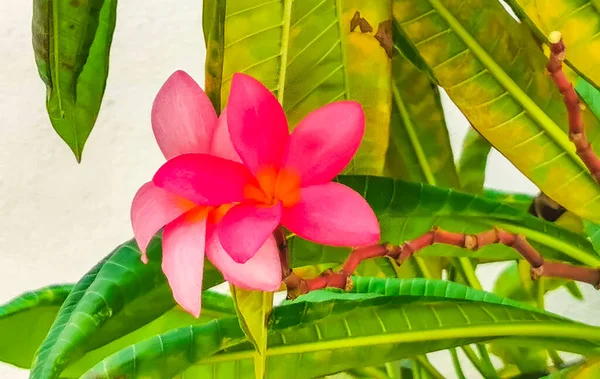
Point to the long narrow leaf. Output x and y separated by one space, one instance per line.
495 74
326 332
71 41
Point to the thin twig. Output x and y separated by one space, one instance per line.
576 128
539 267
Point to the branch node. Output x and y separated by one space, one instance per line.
471 242
536 272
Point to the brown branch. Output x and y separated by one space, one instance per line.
576 128
539 267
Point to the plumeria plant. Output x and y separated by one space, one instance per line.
314 164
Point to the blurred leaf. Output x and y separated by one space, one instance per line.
589 94
408 210
472 163
119 295
419 148
494 72
25 321
585 370
253 309
579 23
387 319
71 41
213 26
592 230
305 53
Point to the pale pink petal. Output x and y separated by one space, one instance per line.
261 272
332 214
205 179
245 227
183 117
257 124
151 209
221 143
325 141
183 260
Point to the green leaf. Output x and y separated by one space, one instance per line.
71 41
494 72
253 309
305 53
471 166
213 25
214 306
25 321
419 148
579 23
586 370
324 332
119 295
589 94
408 210
592 230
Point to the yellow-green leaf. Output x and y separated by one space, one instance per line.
495 74
253 309
305 53
579 23
473 160
71 42
419 148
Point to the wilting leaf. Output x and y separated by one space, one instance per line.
71 41
305 53
495 74
25 321
579 23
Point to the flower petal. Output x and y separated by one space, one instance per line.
183 117
325 141
183 260
151 209
221 143
205 179
332 214
261 272
245 227
257 124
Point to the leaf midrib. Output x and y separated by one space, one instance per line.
523 329
547 124
285 42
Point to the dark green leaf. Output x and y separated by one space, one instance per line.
589 94
71 41
25 321
116 297
408 210
213 25
324 332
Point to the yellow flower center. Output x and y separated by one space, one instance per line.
275 185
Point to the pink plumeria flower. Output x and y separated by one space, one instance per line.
283 179
184 121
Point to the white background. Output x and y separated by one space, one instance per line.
58 218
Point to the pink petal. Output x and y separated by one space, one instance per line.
332 214
245 227
151 209
221 143
325 141
205 179
261 272
257 124
183 117
183 260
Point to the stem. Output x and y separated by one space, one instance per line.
485 358
456 363
427 366
576 129
539 267
477 363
